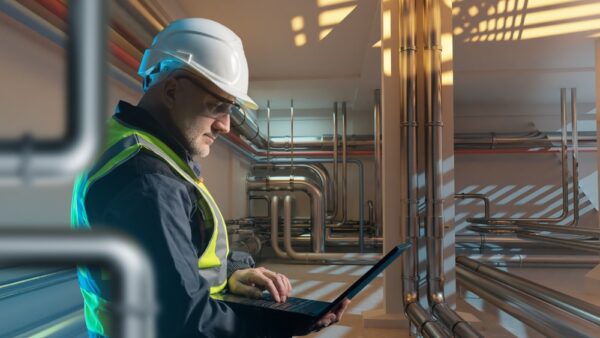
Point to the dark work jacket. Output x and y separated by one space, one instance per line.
148 200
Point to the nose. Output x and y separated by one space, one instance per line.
222 124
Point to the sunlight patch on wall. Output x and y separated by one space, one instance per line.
447 78
387 62
327 3
447 47
300 40
323 34
561 29
510 20
297 23
333 17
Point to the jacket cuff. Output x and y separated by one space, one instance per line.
238 260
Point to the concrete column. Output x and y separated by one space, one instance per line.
392 313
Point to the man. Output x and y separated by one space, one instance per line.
147 184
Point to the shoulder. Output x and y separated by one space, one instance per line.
143 176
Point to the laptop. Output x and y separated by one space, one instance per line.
308 311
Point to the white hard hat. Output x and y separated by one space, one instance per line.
205 47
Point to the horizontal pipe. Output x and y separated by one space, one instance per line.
426 325
562 301
582 149
134 288
308 256
566 243
538 260
541 316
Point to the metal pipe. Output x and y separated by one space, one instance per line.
562 301
344 166
268 130
434 222
86 104
564 176
571 244
434 174
486 201
542 261
287 242
361 179
133 308
292 141
306 169
287 183
426 325
541 316
377 155
335 155
408 172
275 226
575 164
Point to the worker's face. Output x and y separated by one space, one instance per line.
199 115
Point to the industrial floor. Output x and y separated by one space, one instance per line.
27 294
325 282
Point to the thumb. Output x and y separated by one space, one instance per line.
247 290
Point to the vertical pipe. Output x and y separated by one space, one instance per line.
292 140
335 157
575 143
268 131
275 227
434 221
408 105
377 143
344 166
564 150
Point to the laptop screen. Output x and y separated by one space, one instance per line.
365 279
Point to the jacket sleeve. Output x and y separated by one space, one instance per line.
154 209
238 260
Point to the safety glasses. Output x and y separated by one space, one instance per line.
221 107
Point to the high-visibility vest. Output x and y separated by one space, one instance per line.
124 143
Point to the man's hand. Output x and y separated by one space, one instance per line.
331 317
251 282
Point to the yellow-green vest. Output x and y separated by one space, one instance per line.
122 144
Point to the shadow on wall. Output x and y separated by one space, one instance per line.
512 20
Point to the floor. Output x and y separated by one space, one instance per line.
325 282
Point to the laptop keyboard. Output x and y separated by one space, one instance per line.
291 304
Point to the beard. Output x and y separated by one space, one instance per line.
196 146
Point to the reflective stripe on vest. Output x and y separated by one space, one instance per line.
123 144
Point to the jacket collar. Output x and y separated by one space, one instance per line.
139 118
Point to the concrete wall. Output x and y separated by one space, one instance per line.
33 100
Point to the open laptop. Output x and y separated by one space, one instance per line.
306 310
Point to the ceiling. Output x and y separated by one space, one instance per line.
291 58
320 51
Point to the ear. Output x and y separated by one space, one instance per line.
168 93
